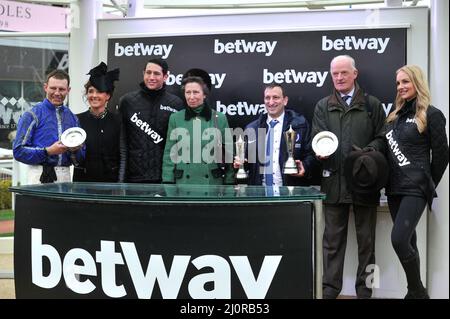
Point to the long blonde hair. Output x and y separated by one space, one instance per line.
423 98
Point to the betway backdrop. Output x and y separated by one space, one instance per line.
240 65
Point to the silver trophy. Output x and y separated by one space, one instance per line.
240 152
290 167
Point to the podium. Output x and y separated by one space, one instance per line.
97 240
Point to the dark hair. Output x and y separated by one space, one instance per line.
89 84
275 85
194 79
162 63
59 75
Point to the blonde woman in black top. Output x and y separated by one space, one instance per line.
418 156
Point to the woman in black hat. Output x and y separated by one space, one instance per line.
102 129
414 130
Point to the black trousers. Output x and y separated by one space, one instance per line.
335 243
406 212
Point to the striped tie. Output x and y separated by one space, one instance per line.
268 174
347 99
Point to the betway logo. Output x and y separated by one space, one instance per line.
79 261
240 108
146 128
352 43
242 46
393 144
167 108
387 108
216 79
139 49
293 76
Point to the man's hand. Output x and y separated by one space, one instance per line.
321 158
300 169
237 162
56 148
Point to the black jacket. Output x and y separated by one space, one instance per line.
145 115
416 147
302 150
102 149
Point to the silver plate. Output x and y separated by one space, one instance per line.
73 137
325 143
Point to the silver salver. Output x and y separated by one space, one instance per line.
73 137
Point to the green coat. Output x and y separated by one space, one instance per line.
186 163
353 125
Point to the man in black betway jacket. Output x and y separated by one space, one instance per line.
145 114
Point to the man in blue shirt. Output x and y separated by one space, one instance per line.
39 131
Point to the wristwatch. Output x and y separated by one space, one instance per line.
45 151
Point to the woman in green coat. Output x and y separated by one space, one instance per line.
196 139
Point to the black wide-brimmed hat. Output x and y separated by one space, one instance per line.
366 172
200 73
102 79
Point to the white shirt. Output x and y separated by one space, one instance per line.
277 136
349 94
